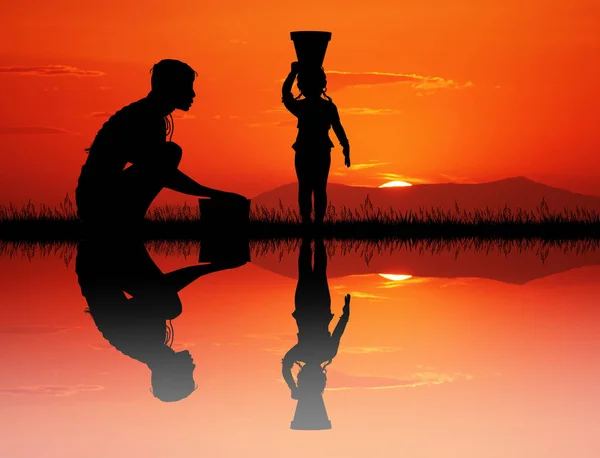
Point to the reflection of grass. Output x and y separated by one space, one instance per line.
367 249
366 222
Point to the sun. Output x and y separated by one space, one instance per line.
395 277
395 184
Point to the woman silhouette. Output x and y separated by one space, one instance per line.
316 114
316 346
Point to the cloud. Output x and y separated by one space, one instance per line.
100 114
237 41
340 381
34 130
369 111
397 177
50 70
34 330
337 80
179 115
49 390
287 123
369 165
399 284
360 295
367 350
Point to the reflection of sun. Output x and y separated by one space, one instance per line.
395 184
395 277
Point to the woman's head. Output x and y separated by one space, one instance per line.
173 379
312 379
173 81
312 81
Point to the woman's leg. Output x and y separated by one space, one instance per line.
321 172
303 173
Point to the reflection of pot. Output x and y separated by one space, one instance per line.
311 414
310 47
224 225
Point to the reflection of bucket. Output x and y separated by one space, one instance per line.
310 47
224 225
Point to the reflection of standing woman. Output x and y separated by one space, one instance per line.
316 115
316 346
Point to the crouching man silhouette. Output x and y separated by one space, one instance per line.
109 192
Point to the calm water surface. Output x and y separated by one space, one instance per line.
457 350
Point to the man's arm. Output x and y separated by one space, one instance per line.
286 369
180 182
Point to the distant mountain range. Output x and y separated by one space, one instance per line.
515 268
517 192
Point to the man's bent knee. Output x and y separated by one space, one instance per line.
171 155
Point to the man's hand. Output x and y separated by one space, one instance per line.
346 309
295 68
295 394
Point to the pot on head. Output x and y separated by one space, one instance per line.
310 47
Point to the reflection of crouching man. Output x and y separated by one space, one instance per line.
137 134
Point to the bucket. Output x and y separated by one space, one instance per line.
224 226
310 47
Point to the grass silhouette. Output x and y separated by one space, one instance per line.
367 249
31 222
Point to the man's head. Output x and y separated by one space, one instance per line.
173 82
173 379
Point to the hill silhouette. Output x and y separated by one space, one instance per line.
516 268
516 192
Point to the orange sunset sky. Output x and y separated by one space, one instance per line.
428 91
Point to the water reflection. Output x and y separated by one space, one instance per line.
316 346
133 303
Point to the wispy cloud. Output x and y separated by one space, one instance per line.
367 350
369 165
100 114
50 70
34 130
398 177
341 381
287 123
34 330
343 171
49 390
361 295
369 111
338 80
179 115
237 41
